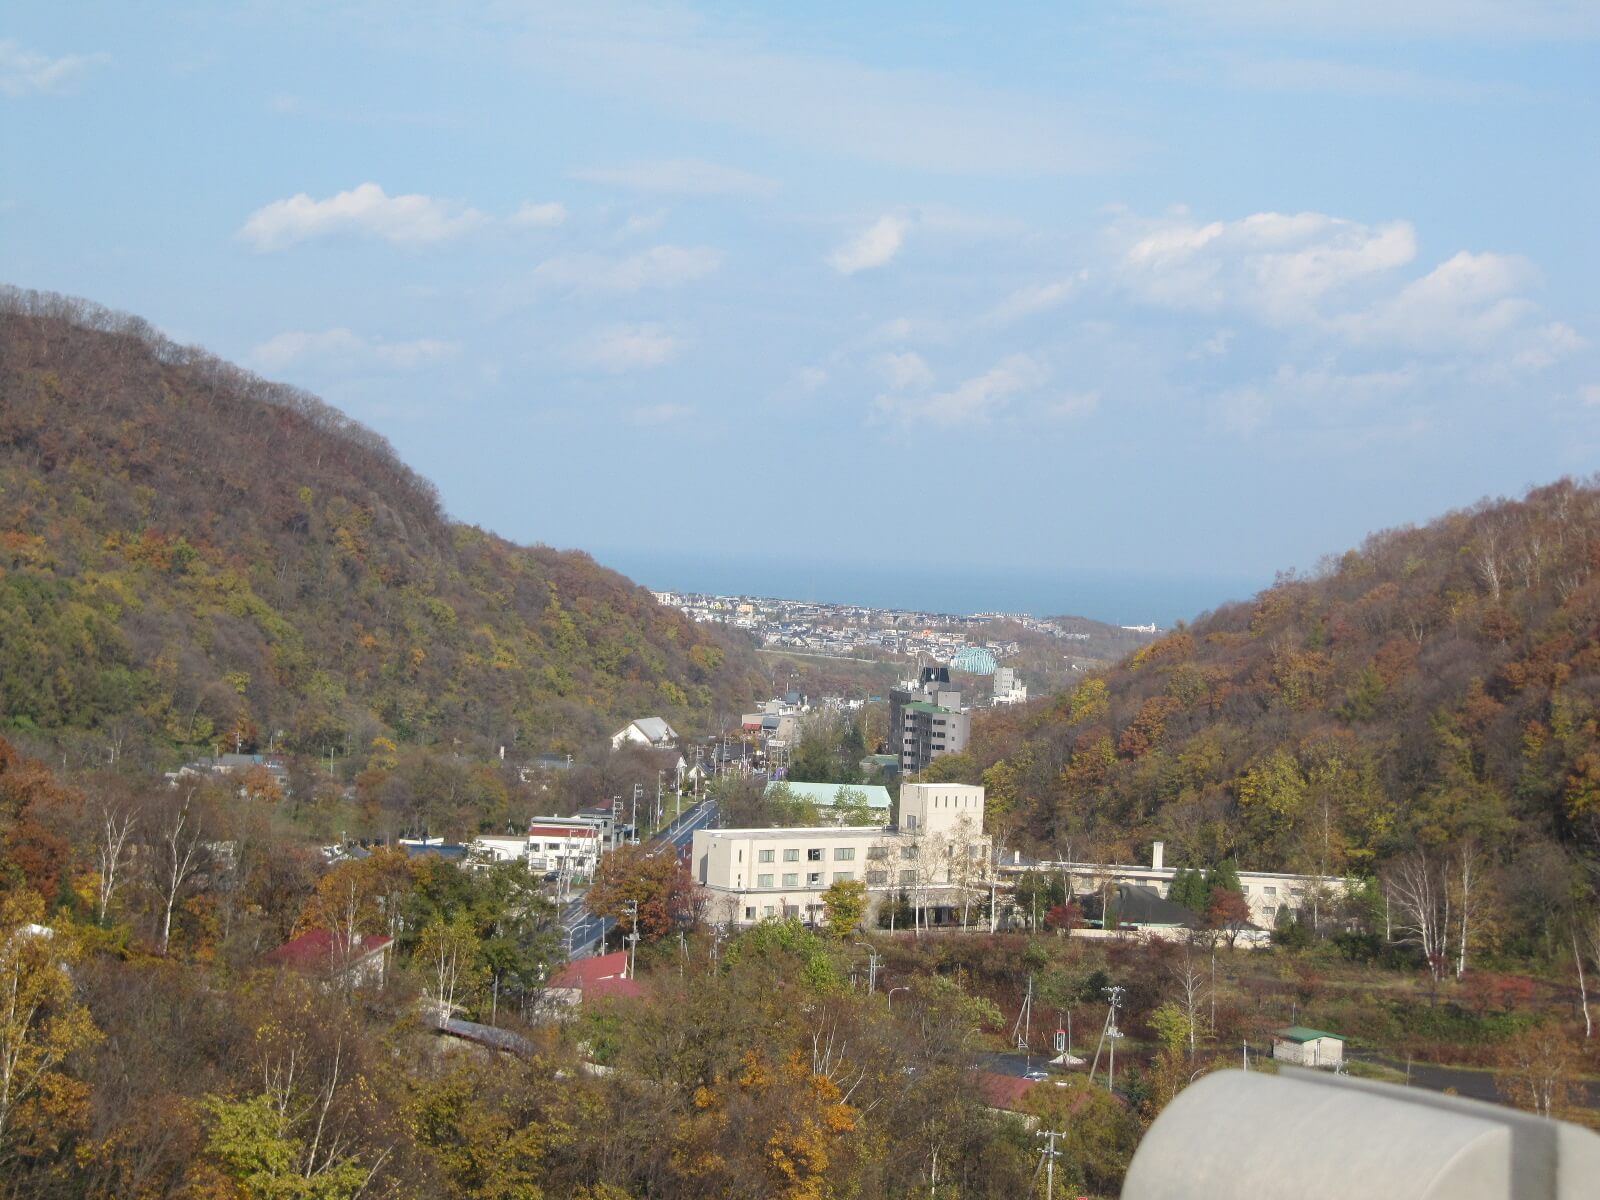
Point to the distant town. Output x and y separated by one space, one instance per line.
850 630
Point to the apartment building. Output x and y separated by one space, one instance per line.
937 854
926 720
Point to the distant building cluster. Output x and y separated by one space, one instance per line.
843 630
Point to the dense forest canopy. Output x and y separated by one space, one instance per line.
1436 690
194 558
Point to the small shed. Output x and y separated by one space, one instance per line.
1308 1047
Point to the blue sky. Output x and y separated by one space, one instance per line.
1196 289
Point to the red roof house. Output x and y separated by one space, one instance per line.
605 975
323 952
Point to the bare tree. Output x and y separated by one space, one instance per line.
1419 901
179 856
1191 981
1471 897
114 825
1586 945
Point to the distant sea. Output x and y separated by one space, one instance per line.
1118 598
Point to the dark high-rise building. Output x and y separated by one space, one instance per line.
926 720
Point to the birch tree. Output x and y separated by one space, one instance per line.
178 856
1419 904
114 826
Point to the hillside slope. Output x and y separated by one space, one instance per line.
1438 685
191 556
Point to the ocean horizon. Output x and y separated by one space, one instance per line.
1117 598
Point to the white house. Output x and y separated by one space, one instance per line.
646 731
938 855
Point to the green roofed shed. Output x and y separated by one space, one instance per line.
1299 1033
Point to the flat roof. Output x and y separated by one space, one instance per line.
796 832
875 795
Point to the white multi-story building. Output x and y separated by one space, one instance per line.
937 855
569 845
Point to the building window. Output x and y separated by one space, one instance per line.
552 845
908 876
791 856
1297 892
764 856
814 879
750 914
844 854
814 855
767 910
877 852
763 881
843 876
877 878
1269 912
1271 891
908 852
791 880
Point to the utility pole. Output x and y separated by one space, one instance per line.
1114 994
1050 1155
633 934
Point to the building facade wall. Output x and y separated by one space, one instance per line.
938 855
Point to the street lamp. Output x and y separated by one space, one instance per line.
892 991
872 965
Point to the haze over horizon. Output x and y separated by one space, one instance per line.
1159 292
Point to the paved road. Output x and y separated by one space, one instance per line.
585 931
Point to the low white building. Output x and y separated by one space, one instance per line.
1266 891
1308 1047
938 855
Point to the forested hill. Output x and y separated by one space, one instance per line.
191 556
1439 684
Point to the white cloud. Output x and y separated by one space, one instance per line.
660 414
25 72
1215 346
343 348
1465 302
872 247
1071 406
977 401
680 177
1589 393
631 348
1279 266
412 219
905 371
639 223
539 216
811 378
1038 298
663 266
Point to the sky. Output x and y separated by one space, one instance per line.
1160 288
